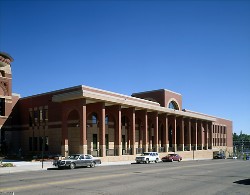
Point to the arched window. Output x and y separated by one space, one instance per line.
173 105
124 121
106 119
94 118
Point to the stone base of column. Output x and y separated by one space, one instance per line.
150 148
133 149
174 147
190 147
145 148
118 150
65 150
156 147
102 150
83 149
182 146
166 146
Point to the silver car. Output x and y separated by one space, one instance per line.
77 160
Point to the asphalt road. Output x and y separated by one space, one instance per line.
190 177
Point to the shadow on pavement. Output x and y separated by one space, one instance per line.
54 168
244 182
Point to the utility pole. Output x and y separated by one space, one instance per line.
242 146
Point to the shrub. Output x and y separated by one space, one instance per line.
7 165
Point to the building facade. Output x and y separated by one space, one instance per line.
113 126
7 99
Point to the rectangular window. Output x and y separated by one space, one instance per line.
30 143
46 143
94 141
40 143
45 114
107 141
35 144
2 107
35 116
40 116
123 142
30 118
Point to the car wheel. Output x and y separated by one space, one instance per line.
72 165
147 161
92 165
157 160
172 160
179 160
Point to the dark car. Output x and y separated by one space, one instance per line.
77 160
219 156
171 158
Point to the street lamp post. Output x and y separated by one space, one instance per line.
43 122
43 146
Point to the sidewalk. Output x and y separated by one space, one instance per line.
21 166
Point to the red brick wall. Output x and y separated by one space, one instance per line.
229 130
163 97
158 96
173 96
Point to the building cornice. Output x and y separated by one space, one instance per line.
125 101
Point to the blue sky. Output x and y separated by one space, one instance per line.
200 49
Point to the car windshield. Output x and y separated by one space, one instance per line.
171 155
73 157
145 154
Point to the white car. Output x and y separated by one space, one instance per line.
234 157
148 157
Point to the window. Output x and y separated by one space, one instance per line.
40 143
45 114
107 141
2 107
2 73
94 141
30 143
123 120
107 120
35 144
173 105
30 118
41 115
94 118
35 116
46 144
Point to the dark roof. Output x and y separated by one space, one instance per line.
6 56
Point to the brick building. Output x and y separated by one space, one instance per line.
113 126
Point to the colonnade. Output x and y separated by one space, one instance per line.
159 132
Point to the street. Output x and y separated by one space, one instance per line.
188 177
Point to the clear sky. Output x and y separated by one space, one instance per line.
200 49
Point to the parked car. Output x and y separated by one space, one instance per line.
148 157
77 160
220 156
171 158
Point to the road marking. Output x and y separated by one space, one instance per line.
42 185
